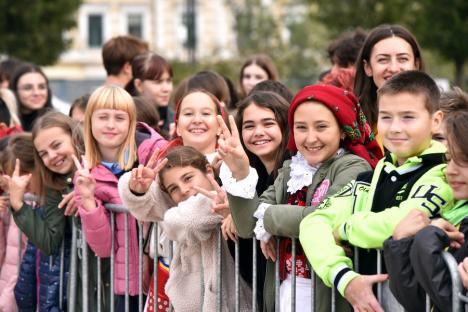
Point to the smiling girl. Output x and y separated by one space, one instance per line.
188 179
114 143
31 87
197 127
333 144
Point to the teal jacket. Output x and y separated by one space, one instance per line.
352 213
282 219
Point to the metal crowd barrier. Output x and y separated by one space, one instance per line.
79 248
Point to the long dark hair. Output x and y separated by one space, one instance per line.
279 107
364 86
26 69
147 66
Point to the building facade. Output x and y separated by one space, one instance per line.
176 29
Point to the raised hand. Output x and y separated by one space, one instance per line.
143 176
231 150
84 183
18 185
218 198
359 292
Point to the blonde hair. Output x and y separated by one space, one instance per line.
111 97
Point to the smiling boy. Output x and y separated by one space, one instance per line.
367 210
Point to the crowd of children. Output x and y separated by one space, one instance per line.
349 165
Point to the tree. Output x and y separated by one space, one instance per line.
439 25
33 30
286 33
442 26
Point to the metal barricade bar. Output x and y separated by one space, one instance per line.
457 287
112 267
73 268
140 267
220 270
155 264
236 275
254 274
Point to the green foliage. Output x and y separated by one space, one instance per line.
291 38
257 29
227 68
442 25
439 25
33 30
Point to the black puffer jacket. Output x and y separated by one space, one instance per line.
416 267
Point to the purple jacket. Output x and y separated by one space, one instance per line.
96 223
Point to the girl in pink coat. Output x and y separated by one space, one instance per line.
114 143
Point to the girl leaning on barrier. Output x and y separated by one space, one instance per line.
324 121
114 144
38 286
187 177
262 119
56 139
195 126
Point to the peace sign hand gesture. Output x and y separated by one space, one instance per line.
143 176
17 186
231 150
84 183
219 199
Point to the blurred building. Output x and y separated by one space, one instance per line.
177 29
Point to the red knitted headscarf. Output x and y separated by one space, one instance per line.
359 138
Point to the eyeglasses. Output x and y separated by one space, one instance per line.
30 87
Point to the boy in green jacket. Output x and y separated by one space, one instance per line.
365 212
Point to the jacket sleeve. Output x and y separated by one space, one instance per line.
403 282
284 220
429 266
430 194
191 221
150 206
4 215
242 209
45 233
97 229
326 257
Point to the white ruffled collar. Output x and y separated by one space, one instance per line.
302 173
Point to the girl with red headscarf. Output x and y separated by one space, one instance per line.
333 144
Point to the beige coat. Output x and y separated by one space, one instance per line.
194 229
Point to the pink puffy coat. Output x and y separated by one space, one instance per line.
96 223
11 261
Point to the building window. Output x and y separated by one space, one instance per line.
135 24
95 30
